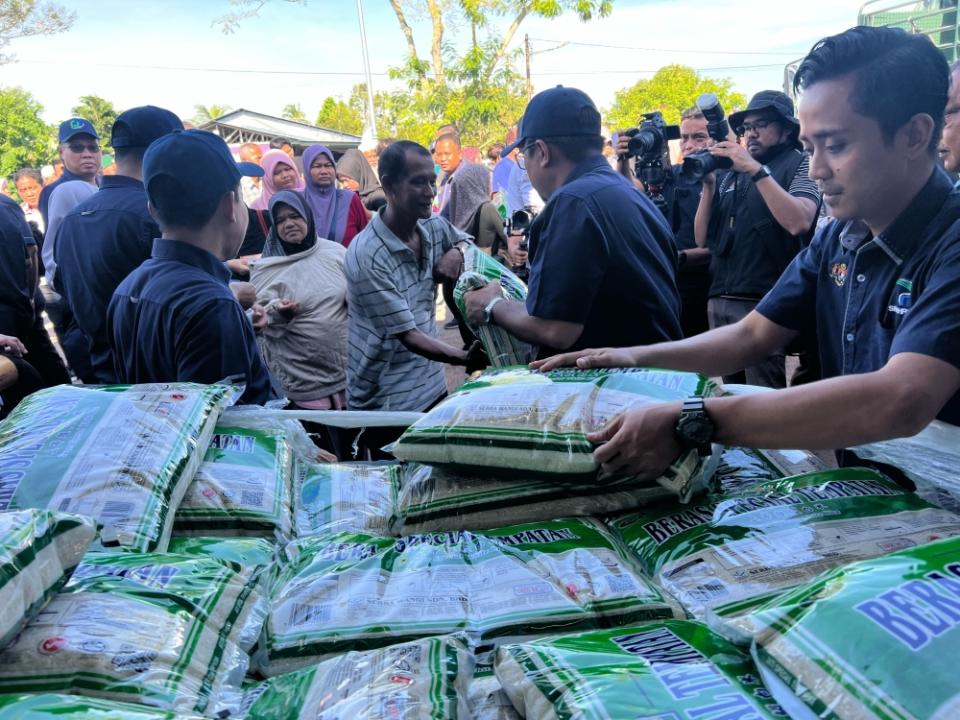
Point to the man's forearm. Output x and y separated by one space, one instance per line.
794 214
512 316
701 221
432 348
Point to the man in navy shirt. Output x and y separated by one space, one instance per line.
878 283
174 318
108 236
602 257
80 152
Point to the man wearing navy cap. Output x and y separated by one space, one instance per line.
81 155
109 235
602 258
174 318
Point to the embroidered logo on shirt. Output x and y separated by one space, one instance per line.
838 271
904 297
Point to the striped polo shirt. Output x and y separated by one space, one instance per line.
391 291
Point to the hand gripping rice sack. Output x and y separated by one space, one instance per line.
726 554
486 697
355 497
123 455
51 706
516 419
876 639
421 680
243 486
352 591
501 347
161 630
38 551
670 670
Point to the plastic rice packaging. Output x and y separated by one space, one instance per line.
421 680
123 455
243 486
741 468
355 497
246 556
352 591
160 630
479 269
38 551
876 639
677 669
486 697
727 554
51 706
517 420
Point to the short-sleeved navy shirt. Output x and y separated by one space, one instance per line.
868 298
99 243
175 319
603 256
16 312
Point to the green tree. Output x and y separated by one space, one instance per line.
292 111
337 115
25 139
671 90
27 18
205 113
100 112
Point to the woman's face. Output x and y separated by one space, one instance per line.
349 183
284 177
291 227
323 172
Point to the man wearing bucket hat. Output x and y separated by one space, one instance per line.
757 218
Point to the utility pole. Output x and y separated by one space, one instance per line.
371 119
527 53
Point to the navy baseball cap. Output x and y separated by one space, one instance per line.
200 165
557 112
76 126
140 126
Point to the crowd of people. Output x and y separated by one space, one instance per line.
313 278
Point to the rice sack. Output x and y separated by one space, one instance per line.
726 554
355 497
51 706
38 551
486 697
352 592
876 639
123 455
514 419
676 669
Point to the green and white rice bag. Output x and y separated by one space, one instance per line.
38 551
421 680
876 639
676 669
161 630
122 455
727 554
243 486
486 697
516 420
741 468
355 497
353 591
247 556
51 706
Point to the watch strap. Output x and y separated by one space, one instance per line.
488 310
760 174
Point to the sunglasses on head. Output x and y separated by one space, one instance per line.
80 147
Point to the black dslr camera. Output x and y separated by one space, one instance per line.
519 224
648 144
701 163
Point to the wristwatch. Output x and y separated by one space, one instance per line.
760 174
488 310
694 429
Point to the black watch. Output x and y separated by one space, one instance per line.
695 430
760 174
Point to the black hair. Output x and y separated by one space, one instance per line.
454 138
576 148
129 154
278 142
191 217
493 152
28 172
393 160
898 75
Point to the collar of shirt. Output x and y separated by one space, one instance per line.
905 230
588 165
393 243
179 251
120 181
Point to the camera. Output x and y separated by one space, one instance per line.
648 143
520 223
701 163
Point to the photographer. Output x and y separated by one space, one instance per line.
757 218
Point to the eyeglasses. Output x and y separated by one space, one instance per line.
521 154
758 126
80 147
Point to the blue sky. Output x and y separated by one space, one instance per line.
114 45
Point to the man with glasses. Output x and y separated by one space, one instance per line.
757 218
81 155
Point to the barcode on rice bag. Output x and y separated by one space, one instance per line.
306 614
114 511
709 591
251 498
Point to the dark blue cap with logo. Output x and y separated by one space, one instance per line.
76 126
140 126
557 112
198 163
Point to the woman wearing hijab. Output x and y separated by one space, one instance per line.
300 281
469 207
356 174
338 214
279 173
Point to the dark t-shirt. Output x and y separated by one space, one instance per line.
16 313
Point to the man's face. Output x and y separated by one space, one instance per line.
447 156
251 153
762 132
694 136
81 155
29 190
413 195
858 173
238 228
950 142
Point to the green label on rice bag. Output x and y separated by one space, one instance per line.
51 706
345 497
359 591
876 639
421 680
243 486
122 455
726 554
676 669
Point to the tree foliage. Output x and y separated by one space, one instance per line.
26 18
205 113
673 89
337 115
25 139
292 111
98 111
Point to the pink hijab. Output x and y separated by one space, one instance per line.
269 163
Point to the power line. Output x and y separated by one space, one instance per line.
247 71
686 51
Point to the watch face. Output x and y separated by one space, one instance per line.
696 430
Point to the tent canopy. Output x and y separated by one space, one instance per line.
242 126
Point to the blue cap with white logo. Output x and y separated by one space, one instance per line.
76 126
